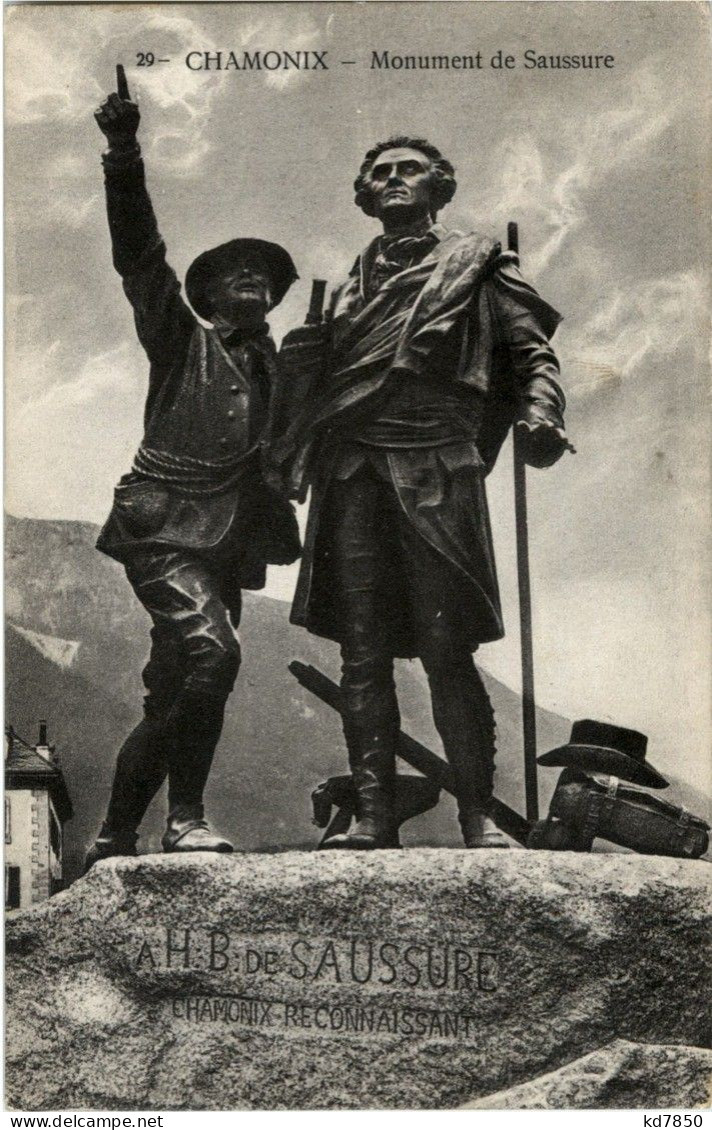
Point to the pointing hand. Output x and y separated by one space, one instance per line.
118 117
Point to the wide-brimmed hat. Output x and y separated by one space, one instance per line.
220 259
601 748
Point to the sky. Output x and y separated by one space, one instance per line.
606 172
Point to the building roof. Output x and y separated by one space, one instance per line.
26 768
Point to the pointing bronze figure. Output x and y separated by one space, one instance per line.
193 522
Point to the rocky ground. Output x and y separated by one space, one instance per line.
426 978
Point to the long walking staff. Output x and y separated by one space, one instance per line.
525 602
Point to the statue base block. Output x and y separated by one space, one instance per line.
425 978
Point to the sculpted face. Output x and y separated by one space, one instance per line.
242 296
400 182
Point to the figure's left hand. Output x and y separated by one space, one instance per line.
543 443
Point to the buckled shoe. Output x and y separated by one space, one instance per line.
188 830
108 843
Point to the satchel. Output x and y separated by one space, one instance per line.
585 807
141 505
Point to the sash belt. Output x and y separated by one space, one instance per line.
193 476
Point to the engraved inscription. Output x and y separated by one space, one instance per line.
405 964
251 1012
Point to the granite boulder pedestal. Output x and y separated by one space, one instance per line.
400 979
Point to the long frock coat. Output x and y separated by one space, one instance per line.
465 315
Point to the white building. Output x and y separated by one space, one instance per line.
37 806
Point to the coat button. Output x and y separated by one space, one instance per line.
234 389
223 441
231 415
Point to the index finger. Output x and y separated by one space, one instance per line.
122 87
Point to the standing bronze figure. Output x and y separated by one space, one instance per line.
193 522
432 348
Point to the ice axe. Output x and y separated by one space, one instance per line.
291 392
315 314
315 317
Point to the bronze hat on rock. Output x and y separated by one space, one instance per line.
601 748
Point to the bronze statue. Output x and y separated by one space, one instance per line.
431 349
193 522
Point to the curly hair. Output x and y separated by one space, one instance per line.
444 183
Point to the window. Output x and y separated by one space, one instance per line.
8 829
12 887
55 834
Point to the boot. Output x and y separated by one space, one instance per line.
108 843
375 826
194 725
464 718
188 830
374 778
480 831
141 769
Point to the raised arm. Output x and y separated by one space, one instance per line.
162 317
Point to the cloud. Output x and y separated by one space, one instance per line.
310 37
33 369
324 257
46 80
638 323
547 189
49 79
72 214
108 373
71 428
74 201
179 140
